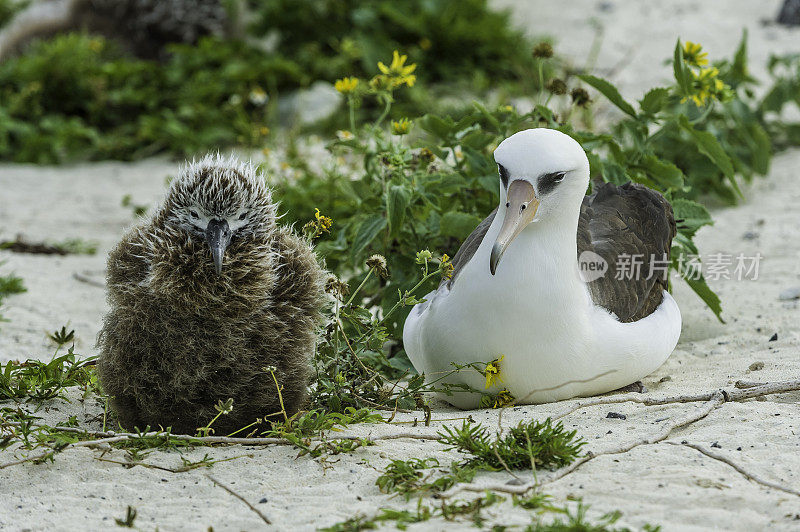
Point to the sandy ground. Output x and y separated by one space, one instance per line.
676 487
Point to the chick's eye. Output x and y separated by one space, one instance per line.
194 214
243 216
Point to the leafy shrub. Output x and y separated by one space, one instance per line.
450 39
78 97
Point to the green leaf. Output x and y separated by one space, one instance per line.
666 174
709 146
763 151
654 100
397 200
739 66
683 76
690 216
366 233
437 126
487 115
458 224
609 91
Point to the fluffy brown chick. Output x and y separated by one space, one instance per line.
204 296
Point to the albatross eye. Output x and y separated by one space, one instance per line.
548 182
194 214
243 215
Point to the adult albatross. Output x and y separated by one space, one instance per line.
517 294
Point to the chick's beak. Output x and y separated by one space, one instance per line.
521 208
218 236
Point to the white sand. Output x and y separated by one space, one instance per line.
673 486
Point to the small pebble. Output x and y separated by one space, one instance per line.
756 366
514 482
615 415
263 500
774 337
789 294
665 379
738 448
716 445
750 235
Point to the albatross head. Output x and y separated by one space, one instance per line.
543 178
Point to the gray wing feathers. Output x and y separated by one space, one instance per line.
630 220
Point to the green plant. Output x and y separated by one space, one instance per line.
36 381
451 39
80 97
352 369
528 445
407 477
785 91
9 284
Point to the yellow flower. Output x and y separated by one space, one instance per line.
398 68
264 130
492 372
323 222
346 85
401 127
425 43
320 224
396 74
706 86
343 134
694 55
447 267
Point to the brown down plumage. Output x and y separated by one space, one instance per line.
180 336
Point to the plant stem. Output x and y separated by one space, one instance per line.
357 290
385 112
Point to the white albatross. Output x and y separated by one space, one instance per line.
533 310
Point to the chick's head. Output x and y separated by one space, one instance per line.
220 201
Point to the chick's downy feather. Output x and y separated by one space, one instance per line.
180 337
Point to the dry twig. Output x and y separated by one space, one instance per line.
737 467
728 395
229 490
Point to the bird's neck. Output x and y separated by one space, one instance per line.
541 264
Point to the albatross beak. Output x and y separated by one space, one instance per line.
218 236
520 211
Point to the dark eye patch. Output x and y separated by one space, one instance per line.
548 182
194 214
503 174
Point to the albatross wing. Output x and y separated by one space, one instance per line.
631 227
